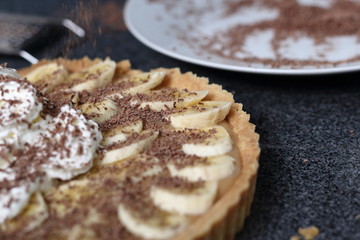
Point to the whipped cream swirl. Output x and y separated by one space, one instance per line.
19 105
69 142
35 149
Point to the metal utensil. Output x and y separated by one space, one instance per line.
19 31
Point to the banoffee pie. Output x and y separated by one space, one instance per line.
92 149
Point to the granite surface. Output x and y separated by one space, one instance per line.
309 126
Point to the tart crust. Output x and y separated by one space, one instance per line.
228 213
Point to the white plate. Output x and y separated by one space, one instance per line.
162 26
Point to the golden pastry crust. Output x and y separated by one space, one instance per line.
229 211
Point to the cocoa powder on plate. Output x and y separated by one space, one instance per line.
294 20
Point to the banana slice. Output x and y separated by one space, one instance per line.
71 192
203 114
192 202
93 77
14 198
218 143
215 168
145 139
163 225
120 134
100 111
145 81
5 163
33 216
48 76
179 99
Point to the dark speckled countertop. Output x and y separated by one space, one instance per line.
309 126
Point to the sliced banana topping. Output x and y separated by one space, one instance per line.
190 201
48 76
159 100
219 142
14 196
3 163
203 114
93 77
137 144
71 192
100 111
6 159
32 216
214 168
120 134
144 82
162 226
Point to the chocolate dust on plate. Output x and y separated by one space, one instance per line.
294 20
